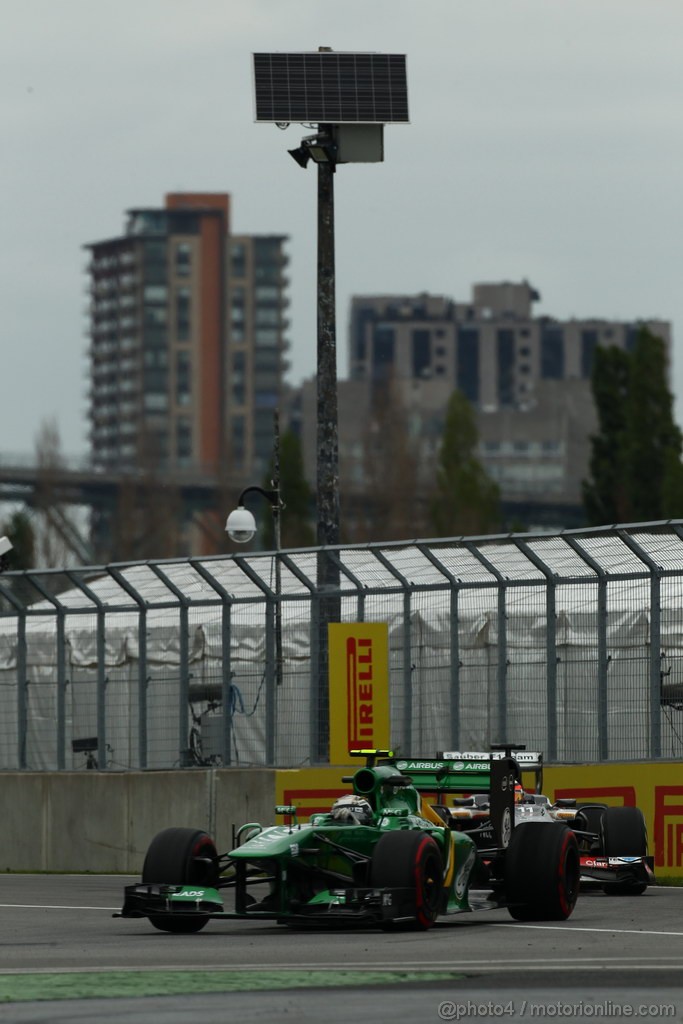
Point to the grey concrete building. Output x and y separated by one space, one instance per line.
527 376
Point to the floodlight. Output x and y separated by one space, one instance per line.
300 154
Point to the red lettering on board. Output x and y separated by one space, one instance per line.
359 692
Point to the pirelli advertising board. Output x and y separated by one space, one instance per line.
359 688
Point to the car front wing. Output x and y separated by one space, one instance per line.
597 869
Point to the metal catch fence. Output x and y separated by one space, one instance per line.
571 643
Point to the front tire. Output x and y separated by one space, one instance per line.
409 859
542 872
624 834
181 856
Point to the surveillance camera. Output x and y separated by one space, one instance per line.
241 525
5 546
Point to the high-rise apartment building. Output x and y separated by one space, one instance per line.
187 340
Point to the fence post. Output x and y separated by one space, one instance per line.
143 679
655 688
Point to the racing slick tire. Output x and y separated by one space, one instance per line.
624 834
541 872
181 856
408 859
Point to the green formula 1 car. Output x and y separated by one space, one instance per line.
383 856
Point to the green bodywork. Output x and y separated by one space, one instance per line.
324 866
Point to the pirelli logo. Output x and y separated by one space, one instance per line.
359 688
359 691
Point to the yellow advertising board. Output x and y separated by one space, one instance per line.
657 788
359 688
312 790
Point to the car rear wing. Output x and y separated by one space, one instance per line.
496 777
443 775
528 761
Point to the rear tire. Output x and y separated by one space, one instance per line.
409 859
592 815
542 872
624 834
181 856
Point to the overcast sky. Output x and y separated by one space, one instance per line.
545 143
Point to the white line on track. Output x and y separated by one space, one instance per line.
458 967
51 906
578 928
537 927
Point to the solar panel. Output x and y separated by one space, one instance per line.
325 87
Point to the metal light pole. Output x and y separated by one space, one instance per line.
350 96
327 475
241 526
327 428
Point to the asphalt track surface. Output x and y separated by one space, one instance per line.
63 957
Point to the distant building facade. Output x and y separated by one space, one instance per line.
187 327
528 378
492 348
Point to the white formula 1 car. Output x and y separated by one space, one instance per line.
612 840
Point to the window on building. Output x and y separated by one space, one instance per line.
183 377
505 341
265 399
155 293
467 375
148 222
266 316
589 343
155 357
238 259
155 401
183 259
422 352
155 316
552 353
267 337
237 378
182 314
183 435
382 352
237 439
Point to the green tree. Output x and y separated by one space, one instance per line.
295 520
19 530
605 496
390 505
466 501
635 466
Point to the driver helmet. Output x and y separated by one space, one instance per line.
352 810
519 793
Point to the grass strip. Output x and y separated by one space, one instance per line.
15 988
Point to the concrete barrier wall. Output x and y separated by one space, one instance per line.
104 821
